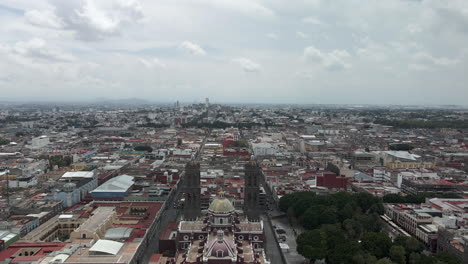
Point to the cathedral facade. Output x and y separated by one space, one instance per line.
222 234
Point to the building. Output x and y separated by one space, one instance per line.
117 187
7 238
252 190
221 235
192 190
332 181
40 142
416 220
264 149
402 160
421 186
72 187
109 232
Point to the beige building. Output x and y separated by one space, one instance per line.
95 227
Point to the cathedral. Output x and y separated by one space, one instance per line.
221 234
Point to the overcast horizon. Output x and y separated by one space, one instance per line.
246 51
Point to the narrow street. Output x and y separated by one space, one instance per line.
169 215
292 256
272 248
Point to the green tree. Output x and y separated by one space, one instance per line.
378 244
143 148
413 245
4 141
312 244
447 258
398 254
385 261
364 258
414 258
353 229
342 251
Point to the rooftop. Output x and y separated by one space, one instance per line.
78 174
118 184
108 247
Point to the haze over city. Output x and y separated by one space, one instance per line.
314 51
233 132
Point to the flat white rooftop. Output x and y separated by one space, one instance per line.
78 174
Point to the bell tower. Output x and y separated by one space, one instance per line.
192 190
252 191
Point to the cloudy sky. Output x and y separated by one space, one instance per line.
297 51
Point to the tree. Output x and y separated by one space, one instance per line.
318 215
4 141
342 251
312 244
414 258
143 148
364 258
291 200
447 258
398 254
411 245
353 229
378 244
385 261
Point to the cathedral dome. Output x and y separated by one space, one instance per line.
221 205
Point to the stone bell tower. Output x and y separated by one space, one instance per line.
192 190
252 191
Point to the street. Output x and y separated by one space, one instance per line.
272 249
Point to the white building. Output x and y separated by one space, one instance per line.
40 142
264 149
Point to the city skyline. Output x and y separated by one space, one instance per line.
299 52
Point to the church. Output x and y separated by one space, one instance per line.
221 234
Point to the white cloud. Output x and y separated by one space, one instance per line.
38 49
376 39
45 18
426 58
249 7
313 21
193 48
248 65
272 35
414 29
152 63
302 35
90 19
423 61
334 60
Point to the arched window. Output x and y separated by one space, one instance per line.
83 235
219 253
220 221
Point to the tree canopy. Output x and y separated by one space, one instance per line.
143 148
346 228
417 199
